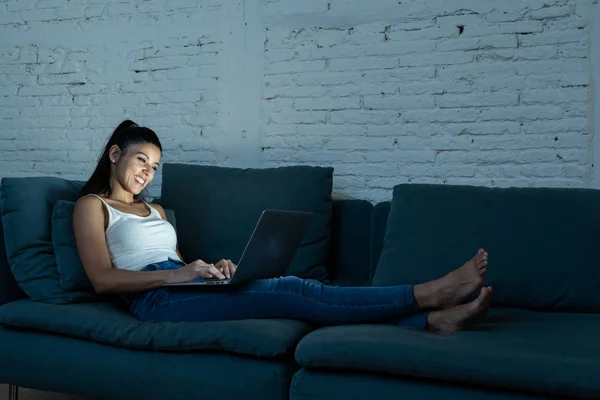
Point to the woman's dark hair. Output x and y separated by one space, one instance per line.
126 134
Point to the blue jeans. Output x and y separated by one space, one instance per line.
288 297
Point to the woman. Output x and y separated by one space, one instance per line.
127 247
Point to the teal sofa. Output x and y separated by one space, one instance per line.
540 339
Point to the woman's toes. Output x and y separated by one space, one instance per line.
481 265
458 318
485 295
481 260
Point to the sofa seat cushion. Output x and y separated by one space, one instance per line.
313 384
63 364
109 323
554 353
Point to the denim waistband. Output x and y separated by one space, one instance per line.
168 264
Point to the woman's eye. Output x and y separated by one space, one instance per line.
141 159
154 168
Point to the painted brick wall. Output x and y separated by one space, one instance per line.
471 91
459 92
69 74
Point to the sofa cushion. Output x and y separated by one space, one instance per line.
348 262
218 208
27 205
9 288
109 323
50 362
379 219
330 384
554 353
70 270
542 242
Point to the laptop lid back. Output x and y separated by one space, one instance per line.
272 246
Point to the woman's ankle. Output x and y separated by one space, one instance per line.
424 296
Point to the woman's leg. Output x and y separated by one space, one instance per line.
288 297
311 301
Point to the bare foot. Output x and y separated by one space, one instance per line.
455 287
452 320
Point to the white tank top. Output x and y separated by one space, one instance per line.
134 241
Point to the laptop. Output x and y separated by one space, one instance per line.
269 251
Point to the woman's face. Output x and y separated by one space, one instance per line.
135 168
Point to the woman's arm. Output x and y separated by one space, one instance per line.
88 225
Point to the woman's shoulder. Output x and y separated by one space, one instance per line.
158 208
88 203
89 211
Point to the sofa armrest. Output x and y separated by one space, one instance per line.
9 289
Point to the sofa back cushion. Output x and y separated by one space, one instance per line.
9 289
348 261
543 242
379 219
71 273
26 206
217 209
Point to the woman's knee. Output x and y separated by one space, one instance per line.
291 283
283 284
304 287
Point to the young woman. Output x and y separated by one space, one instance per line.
127 247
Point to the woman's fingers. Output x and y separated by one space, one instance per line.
215 272
227 268
226 271
223 269
203 272
231 268
207 270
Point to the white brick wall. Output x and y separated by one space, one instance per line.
436 91
466 92
70 73
594 105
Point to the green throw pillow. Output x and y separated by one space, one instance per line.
217 209
71 273
70 270
27 205
543 243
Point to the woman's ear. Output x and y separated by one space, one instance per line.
114 153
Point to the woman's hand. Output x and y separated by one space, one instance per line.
226 267
194 270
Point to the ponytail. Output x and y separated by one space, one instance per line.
126 134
